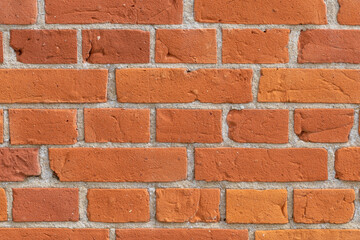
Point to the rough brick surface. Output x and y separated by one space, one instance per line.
187 205
188 125
118 205
119 164
309 85
308 234
186 46
43 126
20 12
260 12
258 126
18 163
44 46
108 11
323 125
348 12
117 125
347 163
323 205
3 205
116 46
255 46
45 204
179 86
52 86
256 206
260 165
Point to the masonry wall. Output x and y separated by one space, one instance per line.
171 119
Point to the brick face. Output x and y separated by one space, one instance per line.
3 205
18 12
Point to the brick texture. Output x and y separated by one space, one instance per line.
348 10
3 205
1 126
333 234
18 12
347 161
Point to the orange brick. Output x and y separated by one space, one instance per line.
186 46
260 12
323 205
347 163
115 46
117 125
323 125
260 165
309 85
53 234
258 126
43 126
188 125
44 46
18 163
1 126
20 12
119 164
348 12
181 234
45 204
255 46
3 205
118 205
309 234
187 205
256 206
52 85
109 11
155 85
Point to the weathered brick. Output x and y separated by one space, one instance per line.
20 12
309 234
18 163
255 46
261 12
323 205
256 206
118 205
43 126
115 46
260 165
258 125
323 125
155 85
109 11
347 164
52 85
188 125
349 12
186 46
3 205
45 204
309 85
119 164
187 205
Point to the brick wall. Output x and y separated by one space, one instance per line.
179 119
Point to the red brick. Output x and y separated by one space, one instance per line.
309 85
109 11
45 204
155 85
255 46
349 12
187 205
186 46
256 206
260 12
52 85
1 126
323 205
329 46
309 234
20 12
44 46
188 125
181 234
118 205
119 164
323 125
117 125
115 46
3 205
260 165
258 125
18 163
43 126
1 48
347 164
53 234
